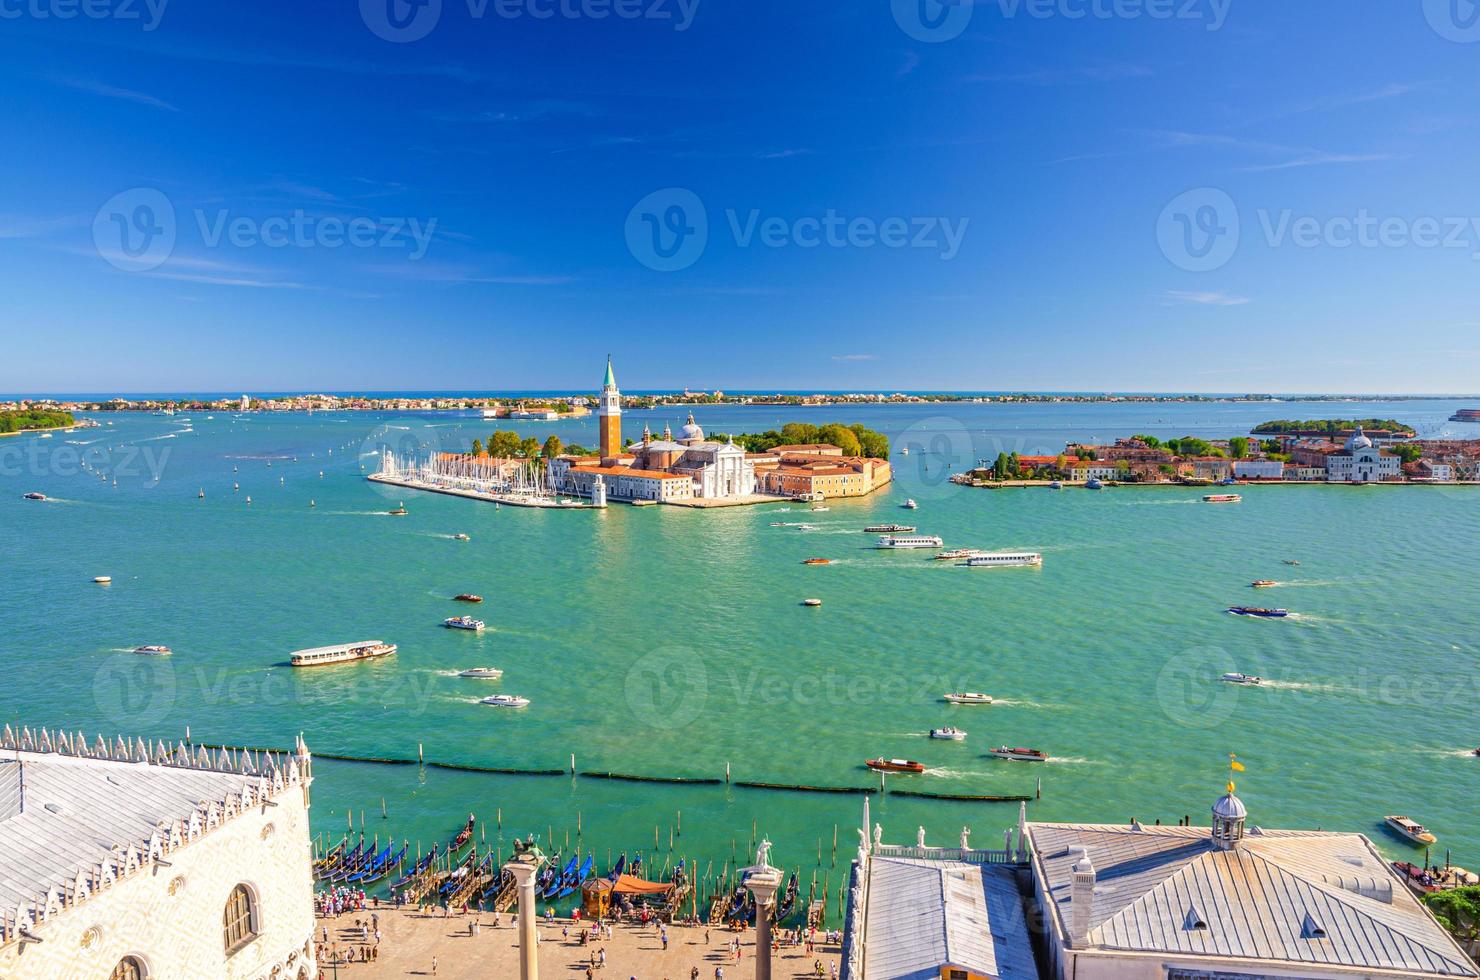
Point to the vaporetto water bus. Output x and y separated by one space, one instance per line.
1005 559
910 541
342 653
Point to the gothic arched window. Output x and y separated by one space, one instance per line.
239 923
128 968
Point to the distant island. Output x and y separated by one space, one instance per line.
853 440
1331 428
24 420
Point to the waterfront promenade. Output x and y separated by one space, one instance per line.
410 940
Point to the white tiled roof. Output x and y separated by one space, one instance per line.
78 810
923 914
1293 896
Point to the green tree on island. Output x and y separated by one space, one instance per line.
551 448
1238 447
477 447
503 444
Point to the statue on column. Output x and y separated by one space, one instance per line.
763 854
920 837
965 838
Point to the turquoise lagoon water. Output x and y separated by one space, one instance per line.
671 642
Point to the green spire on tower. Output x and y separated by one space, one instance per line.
611 379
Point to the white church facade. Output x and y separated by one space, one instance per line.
1360 461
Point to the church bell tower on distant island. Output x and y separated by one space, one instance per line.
609 414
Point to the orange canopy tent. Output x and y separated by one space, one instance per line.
596 895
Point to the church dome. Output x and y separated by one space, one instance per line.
691 431
1359 440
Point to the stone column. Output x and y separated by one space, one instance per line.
763 881
524 868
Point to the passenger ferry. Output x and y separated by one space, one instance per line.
1019 755
889 529
1411 829
910 541
1005 559
958 554
1222 498
463 623
342 653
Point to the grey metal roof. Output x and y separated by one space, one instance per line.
77 810
1294 896
923 914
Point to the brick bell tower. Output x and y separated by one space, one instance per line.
609 414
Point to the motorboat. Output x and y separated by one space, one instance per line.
817 561
398 512
1411 829
33 495
909 504
968 697
483 673
505 701
949 734
894 765
1291 561
463 623
1259 611
897 541
1055 485
1263 583
1018 755
461 537
467 597
342 653
820 510
1222 498
812 602
889 529
103 580
1093 484
1005 559
1233 677
153 651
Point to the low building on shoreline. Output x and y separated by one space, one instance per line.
135 861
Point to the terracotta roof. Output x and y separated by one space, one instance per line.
628 471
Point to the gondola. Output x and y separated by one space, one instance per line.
459 874
331 859
360 863
410 876
635 868
464 835
384 867
570 884
349 860
550 879
789 899
374 867
618 868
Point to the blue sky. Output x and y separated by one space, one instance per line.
1026 194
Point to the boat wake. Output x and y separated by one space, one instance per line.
1018 703
945 773
1071 760
167 435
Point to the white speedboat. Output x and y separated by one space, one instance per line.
811 602
461 537
102 580
951 734
505 701
483 673
463 623
1411 829
1233 677
1005 559
968 697
819 510
894 541
153 651
909 504
342 653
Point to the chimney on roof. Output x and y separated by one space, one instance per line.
1081 899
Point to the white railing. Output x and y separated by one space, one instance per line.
969 856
